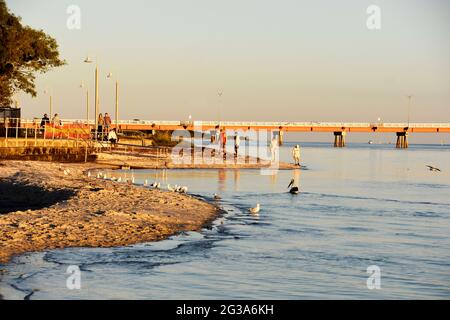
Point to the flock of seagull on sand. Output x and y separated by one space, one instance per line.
132 180
293 189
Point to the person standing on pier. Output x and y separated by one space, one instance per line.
108 122
101 122
45 120
55 120
296 155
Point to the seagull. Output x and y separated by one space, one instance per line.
146 183
293 189
89 174
433 168
256 209
98 175
154 184
132 180
217 197
113 178
158 185
183 189
169 187
119 179
66 173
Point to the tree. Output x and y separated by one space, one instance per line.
23 52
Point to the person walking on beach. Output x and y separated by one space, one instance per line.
101 122
108 122
296 155
237 143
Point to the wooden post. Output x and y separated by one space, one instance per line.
339 139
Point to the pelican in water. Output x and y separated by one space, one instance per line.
217 197
183 189
256 209
431 168
293 189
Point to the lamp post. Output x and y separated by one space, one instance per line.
110 76
96 104
219 94
87 104
50 102
409 108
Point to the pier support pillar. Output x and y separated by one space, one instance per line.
402 140
339 139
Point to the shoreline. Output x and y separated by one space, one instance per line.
73 210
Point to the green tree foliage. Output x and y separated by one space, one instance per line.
23 52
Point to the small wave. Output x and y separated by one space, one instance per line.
327 195
427 214
356 229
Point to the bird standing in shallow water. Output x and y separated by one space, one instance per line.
256 209
293 189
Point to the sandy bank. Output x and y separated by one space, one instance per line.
43 208
152 160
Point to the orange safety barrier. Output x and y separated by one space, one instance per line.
67 131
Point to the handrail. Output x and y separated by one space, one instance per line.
285 124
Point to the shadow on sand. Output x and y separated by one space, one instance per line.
21 197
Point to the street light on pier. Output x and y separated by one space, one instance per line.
96 103
409 108
219 94
110 76
87 104
47 92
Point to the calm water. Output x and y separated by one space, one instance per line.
362 205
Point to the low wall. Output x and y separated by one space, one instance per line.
41 150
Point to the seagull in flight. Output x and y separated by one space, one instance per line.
433 168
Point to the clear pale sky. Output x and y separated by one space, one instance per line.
281 60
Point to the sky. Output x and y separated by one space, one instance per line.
285 60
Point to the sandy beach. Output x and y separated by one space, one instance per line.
43 208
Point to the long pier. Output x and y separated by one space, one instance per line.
339 129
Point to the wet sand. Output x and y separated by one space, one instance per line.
42 208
